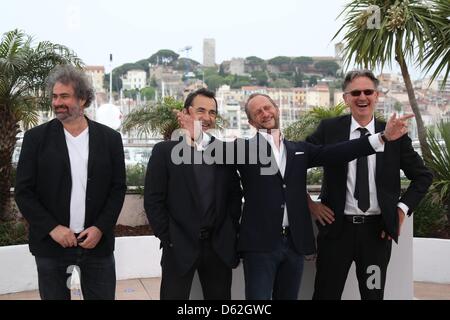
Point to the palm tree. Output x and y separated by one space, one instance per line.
409 29
300 129
439 48
23 71
440 164
156 118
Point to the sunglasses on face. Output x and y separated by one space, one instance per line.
357 93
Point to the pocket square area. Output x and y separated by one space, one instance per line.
299 152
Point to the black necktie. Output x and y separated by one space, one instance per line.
362 179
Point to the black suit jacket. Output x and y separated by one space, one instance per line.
266 195
397 155
44 183
171 201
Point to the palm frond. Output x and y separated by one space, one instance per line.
154 119
437 51
439 163
300 129
405 29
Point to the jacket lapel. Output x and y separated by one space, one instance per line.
269 154
60 141
93 145
289 158
379 126
343 134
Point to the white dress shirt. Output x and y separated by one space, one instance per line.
280 158
351 204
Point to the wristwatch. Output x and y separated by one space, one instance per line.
383 137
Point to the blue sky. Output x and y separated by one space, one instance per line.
135 29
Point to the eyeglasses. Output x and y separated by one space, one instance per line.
357 93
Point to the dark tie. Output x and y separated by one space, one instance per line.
362 179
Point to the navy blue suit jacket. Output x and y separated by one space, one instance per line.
266 195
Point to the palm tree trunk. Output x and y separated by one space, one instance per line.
8 131
421 131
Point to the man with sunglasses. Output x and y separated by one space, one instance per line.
361 210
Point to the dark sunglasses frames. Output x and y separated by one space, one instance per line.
357 93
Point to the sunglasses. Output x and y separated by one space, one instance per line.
357 93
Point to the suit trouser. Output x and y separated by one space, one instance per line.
273 275
97 275
215 276
361 243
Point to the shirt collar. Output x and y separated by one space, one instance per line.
269 137
370 126
203 141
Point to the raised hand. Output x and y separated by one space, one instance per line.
187 121
396 127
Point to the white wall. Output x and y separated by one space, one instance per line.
431 260
136 257
399 282
140 257
17 269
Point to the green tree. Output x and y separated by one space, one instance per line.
148 93
300 129
283 63
327 67
240 81
131 94
156 118
312 81
302 62
281 83
185 64
409 29
253 60
255 64
24 68
398 106
210 71
260 77
164 56
439 162
298 79
153 82
437 51
280 60
221 70
214 82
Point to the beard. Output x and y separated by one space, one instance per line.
67 114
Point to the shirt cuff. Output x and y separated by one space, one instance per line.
404 207
375 142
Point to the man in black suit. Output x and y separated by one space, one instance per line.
194 205
70 187
362 197
276 229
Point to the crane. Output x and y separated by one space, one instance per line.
186 51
